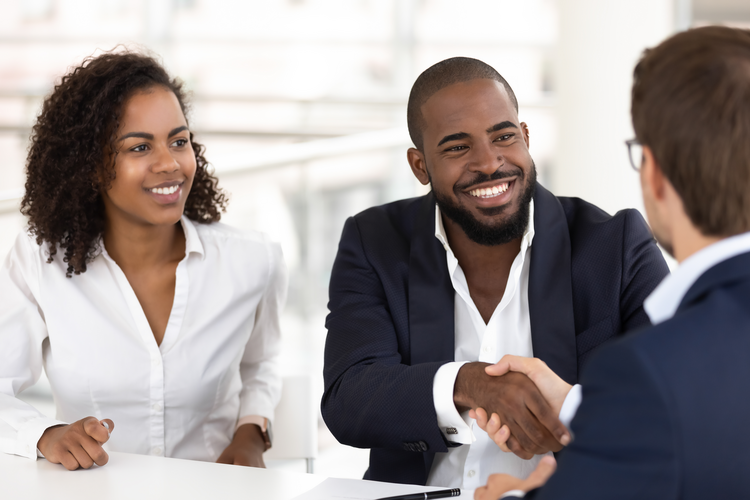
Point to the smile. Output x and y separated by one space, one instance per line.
165 190
490 192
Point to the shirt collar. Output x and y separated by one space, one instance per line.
528 235
663 302
192 239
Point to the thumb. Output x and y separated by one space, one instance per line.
541 474
500 368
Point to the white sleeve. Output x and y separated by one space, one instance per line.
453 425
259 368
22 334
570 405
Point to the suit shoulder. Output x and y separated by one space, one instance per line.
588 223
583 213
391 219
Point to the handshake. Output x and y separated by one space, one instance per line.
517 402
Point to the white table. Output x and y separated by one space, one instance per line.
137 477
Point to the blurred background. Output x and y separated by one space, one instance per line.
302 107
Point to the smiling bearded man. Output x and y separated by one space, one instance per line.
426 292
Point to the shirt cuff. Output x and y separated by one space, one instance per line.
513 494
454 427
261 422
30 434
570 405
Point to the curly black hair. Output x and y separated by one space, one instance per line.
69 165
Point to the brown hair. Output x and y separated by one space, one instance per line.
67 165
691 106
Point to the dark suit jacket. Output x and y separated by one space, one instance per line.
391 323
666 411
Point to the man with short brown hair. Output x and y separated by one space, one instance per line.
664 411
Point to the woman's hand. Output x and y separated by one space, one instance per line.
246 448
78 444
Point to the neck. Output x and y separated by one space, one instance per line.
473 257
138 246
687 239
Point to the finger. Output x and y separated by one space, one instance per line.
480 416
548 418
81 456
493 425
512 363
541 474
529 434
501 437
515 447
68 461
95 451
500 368
94 428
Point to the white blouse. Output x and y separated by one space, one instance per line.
216 364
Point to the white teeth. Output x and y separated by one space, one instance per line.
167 190
489 192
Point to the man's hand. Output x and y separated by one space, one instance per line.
246 448
493 427
533 423
553 388
498 484
78 444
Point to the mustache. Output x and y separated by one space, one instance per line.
480 178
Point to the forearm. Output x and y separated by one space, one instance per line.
378 406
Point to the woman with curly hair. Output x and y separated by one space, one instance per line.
141 307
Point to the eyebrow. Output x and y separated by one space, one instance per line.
463 135
453 137
150 137
500 126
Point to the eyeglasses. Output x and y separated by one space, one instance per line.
635 153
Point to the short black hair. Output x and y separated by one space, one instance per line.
437 77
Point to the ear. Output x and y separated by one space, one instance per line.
525 132
652 178
418 165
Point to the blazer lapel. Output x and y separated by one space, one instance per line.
553 336
729 271
431 322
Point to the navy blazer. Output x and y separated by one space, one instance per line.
665 411
391 323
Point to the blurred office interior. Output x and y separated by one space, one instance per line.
302 107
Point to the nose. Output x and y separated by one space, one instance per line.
486 159
164 162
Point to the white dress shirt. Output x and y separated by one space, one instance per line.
215 368
507 332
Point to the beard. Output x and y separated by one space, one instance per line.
491 234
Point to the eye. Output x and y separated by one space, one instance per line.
180 143
139 148
460 147
505 137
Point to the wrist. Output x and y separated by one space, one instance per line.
254 436
47 436
468 379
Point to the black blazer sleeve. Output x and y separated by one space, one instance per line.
624 445
373 398
643 269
